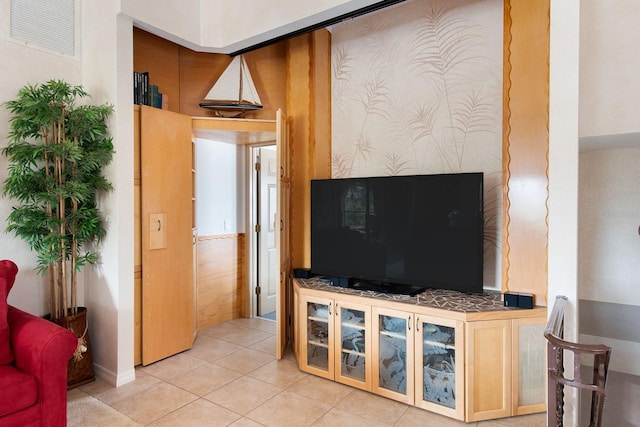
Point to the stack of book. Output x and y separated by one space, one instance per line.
145 93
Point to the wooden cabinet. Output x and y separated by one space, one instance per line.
506 367
529 367
471 366
418 360
393 354
335 340
488 369
439 375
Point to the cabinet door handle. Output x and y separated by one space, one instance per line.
417 324
330 308
337 309
409 323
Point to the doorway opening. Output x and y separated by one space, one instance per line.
264 252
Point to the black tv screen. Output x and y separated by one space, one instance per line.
400 234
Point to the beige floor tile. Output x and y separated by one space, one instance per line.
289 409
142 382
212 349
246 338
282 373
337 417
154 403
198 413
267 345
245 422
245 360
243 394
416 417
222 329
85 410
259 323
535 420
96 387
373 407
204 379
317 388
171 367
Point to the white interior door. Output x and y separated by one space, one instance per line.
268 252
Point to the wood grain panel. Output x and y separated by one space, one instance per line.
161 58
137 317
488 368
222 284
167 275
186 75
321 114
308 109
199 71
525 148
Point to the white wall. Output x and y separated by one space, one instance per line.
220 188
222 26
563 172
610 252
609 67
23 64
107 65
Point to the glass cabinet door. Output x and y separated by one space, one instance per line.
353 351
393 369
317 337
439 366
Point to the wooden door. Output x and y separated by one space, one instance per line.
166 215
283 294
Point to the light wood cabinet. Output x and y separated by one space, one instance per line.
529 366
439 375
418 360
335 340
472 366
488 369
393 354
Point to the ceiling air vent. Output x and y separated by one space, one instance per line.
46 23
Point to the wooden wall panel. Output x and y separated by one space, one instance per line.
186 75
525 147
309 112
161 58
221 280
199 71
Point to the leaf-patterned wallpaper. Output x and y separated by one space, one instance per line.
417 88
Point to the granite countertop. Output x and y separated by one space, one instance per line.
435 298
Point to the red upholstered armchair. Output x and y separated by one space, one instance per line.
34 355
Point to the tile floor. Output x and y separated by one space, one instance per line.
231 378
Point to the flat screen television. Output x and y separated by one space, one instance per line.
400 234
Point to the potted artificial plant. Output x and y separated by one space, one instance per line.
56 152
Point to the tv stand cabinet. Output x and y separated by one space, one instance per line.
460 355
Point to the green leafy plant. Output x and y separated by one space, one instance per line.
56 152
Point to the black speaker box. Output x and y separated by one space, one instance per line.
510 299
302 273
516 299
341 282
